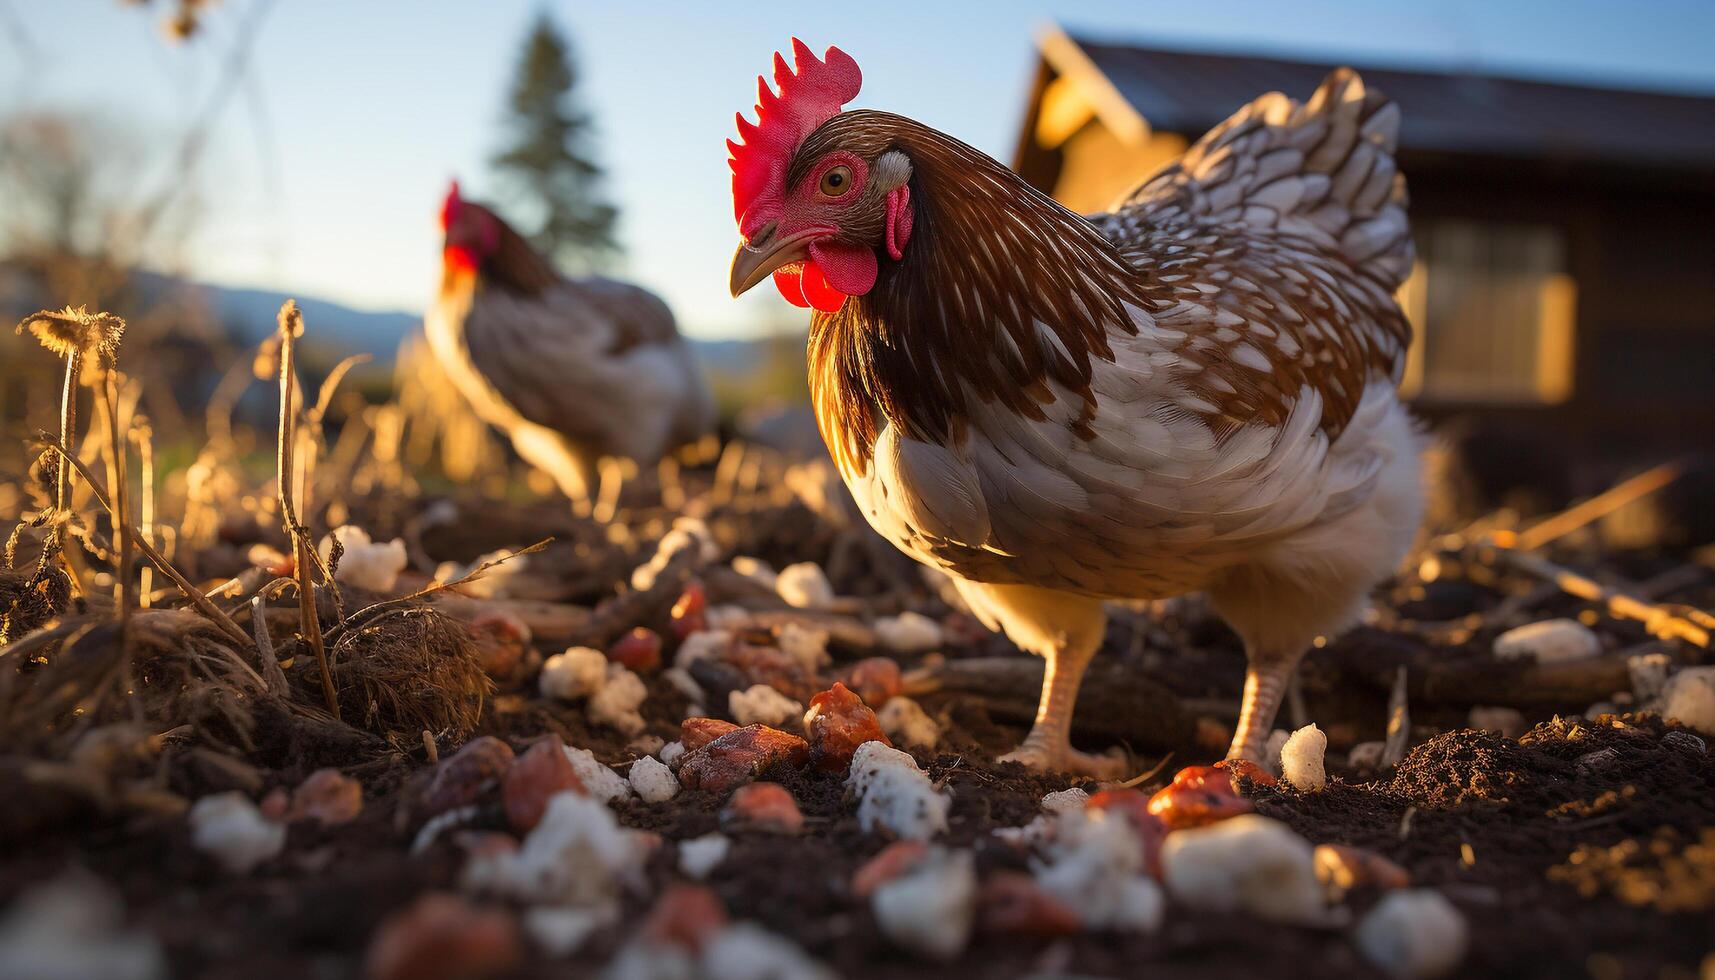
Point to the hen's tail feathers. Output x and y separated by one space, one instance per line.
1321 170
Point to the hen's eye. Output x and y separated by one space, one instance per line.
837 181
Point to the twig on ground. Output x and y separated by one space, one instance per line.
1691 625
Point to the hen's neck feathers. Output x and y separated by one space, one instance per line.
514 265
1000 290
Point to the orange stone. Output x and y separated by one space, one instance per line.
686 916
328 797
694 733
444 937
1134 806
1246 769
764 806
889 863
541 772
462 778
1197 797
740 756
1011 903
839 722
875 679
638 650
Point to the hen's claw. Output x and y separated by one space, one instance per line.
1033 754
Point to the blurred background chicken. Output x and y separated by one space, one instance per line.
1195 392
582 374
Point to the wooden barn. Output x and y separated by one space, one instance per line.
1566 234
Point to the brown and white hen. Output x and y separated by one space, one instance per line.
579 373
1195 392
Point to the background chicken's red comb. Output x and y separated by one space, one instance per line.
811 93
450 207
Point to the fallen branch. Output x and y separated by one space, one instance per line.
1691 625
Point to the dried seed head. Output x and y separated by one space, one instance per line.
77 330
291 319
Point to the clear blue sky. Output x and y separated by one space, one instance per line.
366 108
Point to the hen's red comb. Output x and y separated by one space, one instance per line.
450 207
811 93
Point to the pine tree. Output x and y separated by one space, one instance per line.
547 166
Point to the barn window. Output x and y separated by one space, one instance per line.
1493 308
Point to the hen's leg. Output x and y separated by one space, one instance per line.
1049 744
1266 678
549 452
1065 630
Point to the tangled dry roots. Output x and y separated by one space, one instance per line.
408 670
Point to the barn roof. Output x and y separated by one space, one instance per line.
1187 92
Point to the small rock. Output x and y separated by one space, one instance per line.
708 643
895 794
1597 762
875 679
616 704
1415 933
930 910
1685 741
231 828
561 930
739 756
600 781
1097 867
838 722
687 916
73 928
638 650
690 612
577 673
1011 903
652 781
535 778
1301 759
908 632
1548 642
1248 863
889 863
763 705
806 645
1150 829
1503 721
1648 673
766 807
1341 869
328 797
746 951
365 564
1239 770
805 586
906 723
467 775
694 733
701 855
1063 800
444 937
1689 698
501 642
1197 797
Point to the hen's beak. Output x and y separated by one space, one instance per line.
757 259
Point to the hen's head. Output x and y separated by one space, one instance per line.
815 204
472 232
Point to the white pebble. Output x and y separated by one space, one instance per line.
700 856
908 632
1301 759
1549 642
72 928
805 644
577 673
1096 868
760 704
930 909
647 745
805 586
695 647
1248 863
756 570
747 951
577 855
233 830
1508 722
1415 933
728 617
905 722
561 930
365 564
672 752
896 795
615 705
599 781
1648 673
1066 799
1690 698
652 781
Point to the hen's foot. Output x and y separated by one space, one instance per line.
1038 755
